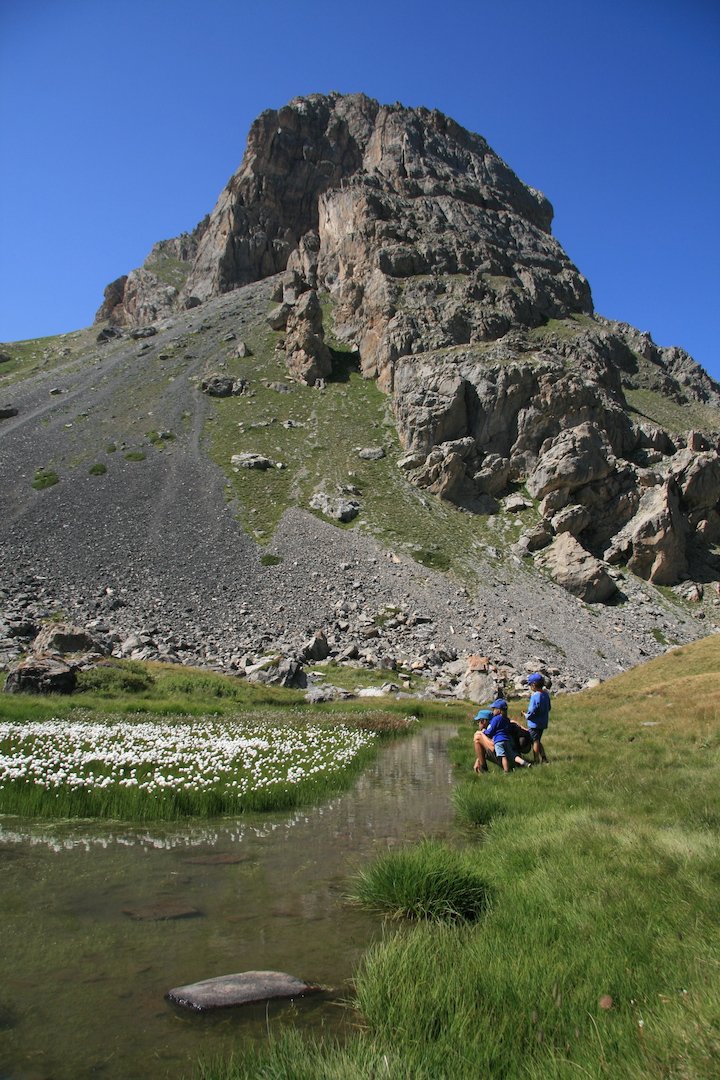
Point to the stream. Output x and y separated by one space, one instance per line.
88 952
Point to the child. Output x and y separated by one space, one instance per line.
480 741
499 731
538 715
485 748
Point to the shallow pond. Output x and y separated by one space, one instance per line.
85 961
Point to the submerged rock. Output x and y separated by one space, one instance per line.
161 911
240 989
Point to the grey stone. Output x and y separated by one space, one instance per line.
240 989
577 570
41 675
248 459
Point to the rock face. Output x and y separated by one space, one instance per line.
440 270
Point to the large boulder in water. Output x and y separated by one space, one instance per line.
240 989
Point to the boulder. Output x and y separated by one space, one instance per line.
578 456
278 671
572 519
478 686
308 357
68 640
653 542
341 509
577 570
41 675
697 474
7 411
316 648
251 460
240 989
217 385
534 539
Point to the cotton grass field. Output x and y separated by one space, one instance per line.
153 742
133 768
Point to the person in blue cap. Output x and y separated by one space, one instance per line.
538 715
485 747
498 731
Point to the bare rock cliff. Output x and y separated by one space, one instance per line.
441 270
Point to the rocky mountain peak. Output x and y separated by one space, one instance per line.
437 267
351 191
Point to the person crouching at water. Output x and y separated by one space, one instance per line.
485 747
538 715
498 733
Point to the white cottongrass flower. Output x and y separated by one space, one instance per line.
219 755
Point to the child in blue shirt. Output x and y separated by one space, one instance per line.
538 715
499 731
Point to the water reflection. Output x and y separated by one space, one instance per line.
86 962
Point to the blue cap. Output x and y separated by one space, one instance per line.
483 714
501 703
537 677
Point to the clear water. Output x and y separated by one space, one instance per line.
83 984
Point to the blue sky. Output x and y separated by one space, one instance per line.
121 123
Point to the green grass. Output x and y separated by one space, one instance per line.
135 455
671 415
45 478
156 690
599 953
98 469
430 881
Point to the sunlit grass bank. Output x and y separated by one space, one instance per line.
599 953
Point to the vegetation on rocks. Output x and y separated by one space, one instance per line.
45 478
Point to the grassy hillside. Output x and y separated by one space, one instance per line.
315 435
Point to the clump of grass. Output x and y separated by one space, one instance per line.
98 469
159 438
270 560
475 804
110 678
134 455
45 478
434 558
430 881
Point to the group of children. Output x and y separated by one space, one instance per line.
503 741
